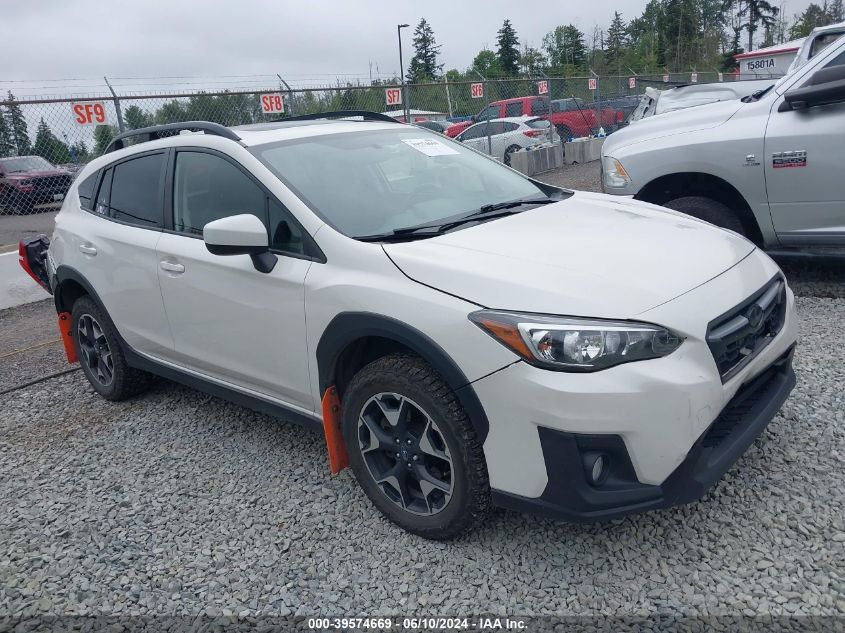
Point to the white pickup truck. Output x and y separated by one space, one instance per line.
768 166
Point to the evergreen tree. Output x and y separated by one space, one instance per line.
835 11
135 118
487 63
17 127
616 43
103 135
48 146
812 17
756 13
424 66
564 48
7 147
531 60
508 51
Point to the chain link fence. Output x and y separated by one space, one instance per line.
45 142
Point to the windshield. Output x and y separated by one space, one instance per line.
24 163
376 181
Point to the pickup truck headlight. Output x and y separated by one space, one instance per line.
614 175
576 345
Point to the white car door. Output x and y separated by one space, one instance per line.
113 246
804 169
229 321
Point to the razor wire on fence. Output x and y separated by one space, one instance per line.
45 142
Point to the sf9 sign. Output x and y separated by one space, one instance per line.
272 103
89 113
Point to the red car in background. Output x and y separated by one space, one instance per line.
29 181
571 117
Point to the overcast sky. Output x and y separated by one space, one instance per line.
46 43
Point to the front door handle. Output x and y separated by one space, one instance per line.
171 267
87 249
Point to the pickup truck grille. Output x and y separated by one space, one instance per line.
741 333
52 183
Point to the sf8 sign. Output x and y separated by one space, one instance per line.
272 103
89 113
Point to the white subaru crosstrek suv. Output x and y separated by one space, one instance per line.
464 335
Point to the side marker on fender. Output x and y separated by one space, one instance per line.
338 457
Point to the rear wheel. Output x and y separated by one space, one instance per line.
508 152
708 210
100 355
412 448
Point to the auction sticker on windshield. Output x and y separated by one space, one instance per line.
429 146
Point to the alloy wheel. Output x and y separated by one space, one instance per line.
95 350
406 453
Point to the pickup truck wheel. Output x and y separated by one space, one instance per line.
412 448
508 152
708 210
100 355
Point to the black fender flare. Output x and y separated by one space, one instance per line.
348 327
66 273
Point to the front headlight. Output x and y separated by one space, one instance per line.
614 175
578 345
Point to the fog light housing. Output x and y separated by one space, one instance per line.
596 468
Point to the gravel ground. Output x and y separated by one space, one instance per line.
177 503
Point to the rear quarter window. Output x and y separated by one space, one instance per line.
85 190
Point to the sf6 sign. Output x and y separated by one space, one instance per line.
476 91
393 96
89 113
272 103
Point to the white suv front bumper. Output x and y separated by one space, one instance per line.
650 419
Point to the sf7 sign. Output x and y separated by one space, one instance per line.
272 103
476 91
543 87
393 96
89 113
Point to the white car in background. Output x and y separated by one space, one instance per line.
507 135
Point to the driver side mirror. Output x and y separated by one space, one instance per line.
824 87
242 234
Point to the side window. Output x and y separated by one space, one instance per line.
510 127
540 106
476 131
136 191
102 206
490 113
284 232
85 190
513 109
207 187
497 127
839 60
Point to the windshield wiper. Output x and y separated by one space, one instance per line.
486 212
756 96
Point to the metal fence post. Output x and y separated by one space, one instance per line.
487 99
292 106
120 125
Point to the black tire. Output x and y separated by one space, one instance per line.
416 381
508 152
125 381
708 210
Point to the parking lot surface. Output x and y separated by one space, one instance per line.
179 503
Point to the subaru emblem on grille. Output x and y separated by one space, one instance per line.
754 316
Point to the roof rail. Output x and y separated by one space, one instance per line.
341 114
169 129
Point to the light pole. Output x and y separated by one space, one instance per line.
399 28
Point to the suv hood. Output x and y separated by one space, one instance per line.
39 173
590 255
688 119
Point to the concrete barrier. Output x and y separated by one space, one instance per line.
16 287
582 150
538 159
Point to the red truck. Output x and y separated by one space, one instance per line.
28 181
571 117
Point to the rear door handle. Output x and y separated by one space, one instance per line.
171 267
87 249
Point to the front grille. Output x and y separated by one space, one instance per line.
49 183
741 333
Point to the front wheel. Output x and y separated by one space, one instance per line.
412 448
708 210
